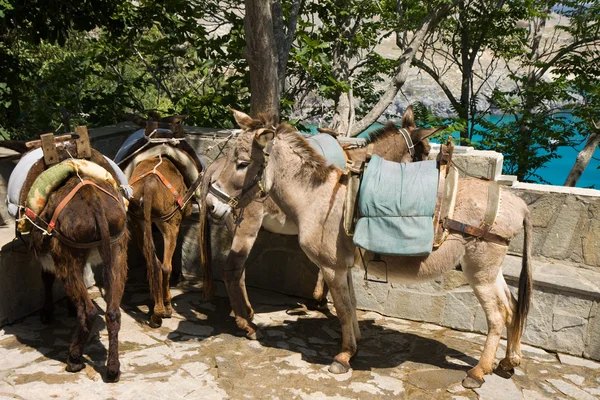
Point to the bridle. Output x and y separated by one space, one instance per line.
409 142
234 201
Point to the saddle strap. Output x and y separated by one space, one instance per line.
471 230
68 198
52 225
165 181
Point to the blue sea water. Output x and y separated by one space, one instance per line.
554 171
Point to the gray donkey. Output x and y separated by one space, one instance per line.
310 194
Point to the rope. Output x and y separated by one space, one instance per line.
44 232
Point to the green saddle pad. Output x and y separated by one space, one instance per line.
396 206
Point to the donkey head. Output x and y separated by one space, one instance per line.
237 182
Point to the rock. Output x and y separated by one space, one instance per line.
592 345
454 279
578 362
434 379
591 242
460 309
576 379
416 306
560 236
570 390
568 334
494 385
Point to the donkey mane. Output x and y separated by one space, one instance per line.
314 165
389 129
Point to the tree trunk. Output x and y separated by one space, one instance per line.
261 54
429 22
583 158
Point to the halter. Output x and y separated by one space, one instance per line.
234 201
409 142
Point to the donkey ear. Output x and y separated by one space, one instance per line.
263 136
243 120
408 118
421 134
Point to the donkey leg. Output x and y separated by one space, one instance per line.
234 274
320 293
76 290
116 286
153 271
47 313
353 299
512 359
337 279
482 267
170 231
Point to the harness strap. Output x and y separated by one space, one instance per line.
52 225
409 142
165 181
186 199
68 198
471 230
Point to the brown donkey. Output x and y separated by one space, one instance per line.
310 194
388 142
154 181
87 222
164 173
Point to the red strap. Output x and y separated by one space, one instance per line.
178 198
68 198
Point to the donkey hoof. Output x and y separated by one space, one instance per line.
337 367
504 373
155 321
472 383
74 365
253 335
113 376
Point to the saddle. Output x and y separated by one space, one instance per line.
161 139
441 216
43 170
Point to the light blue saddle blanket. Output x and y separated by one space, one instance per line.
19 174
396 206
327 146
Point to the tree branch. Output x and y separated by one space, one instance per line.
404 63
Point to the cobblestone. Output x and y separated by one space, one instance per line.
200 354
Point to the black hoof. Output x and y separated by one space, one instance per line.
74 365
155 322
472 383
505 373
113 376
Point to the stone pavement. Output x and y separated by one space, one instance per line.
199 354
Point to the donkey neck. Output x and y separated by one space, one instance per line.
295 187
391 147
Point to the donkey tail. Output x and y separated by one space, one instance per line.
102 224
153 266
525 279
205 246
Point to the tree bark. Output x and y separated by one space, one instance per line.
429 22
262 57
583 158
284 37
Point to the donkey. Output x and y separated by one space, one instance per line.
388 142
89 225
311 195
161 196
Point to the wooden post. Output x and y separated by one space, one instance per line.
83 142
49 149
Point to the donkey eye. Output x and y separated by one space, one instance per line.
242 164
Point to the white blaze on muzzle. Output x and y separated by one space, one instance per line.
216 207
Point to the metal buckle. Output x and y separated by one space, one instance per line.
233 202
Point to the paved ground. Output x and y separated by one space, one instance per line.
198 354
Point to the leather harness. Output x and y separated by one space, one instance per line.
180 202
51 226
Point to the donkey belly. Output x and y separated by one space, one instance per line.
48 262
279 225
407 270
